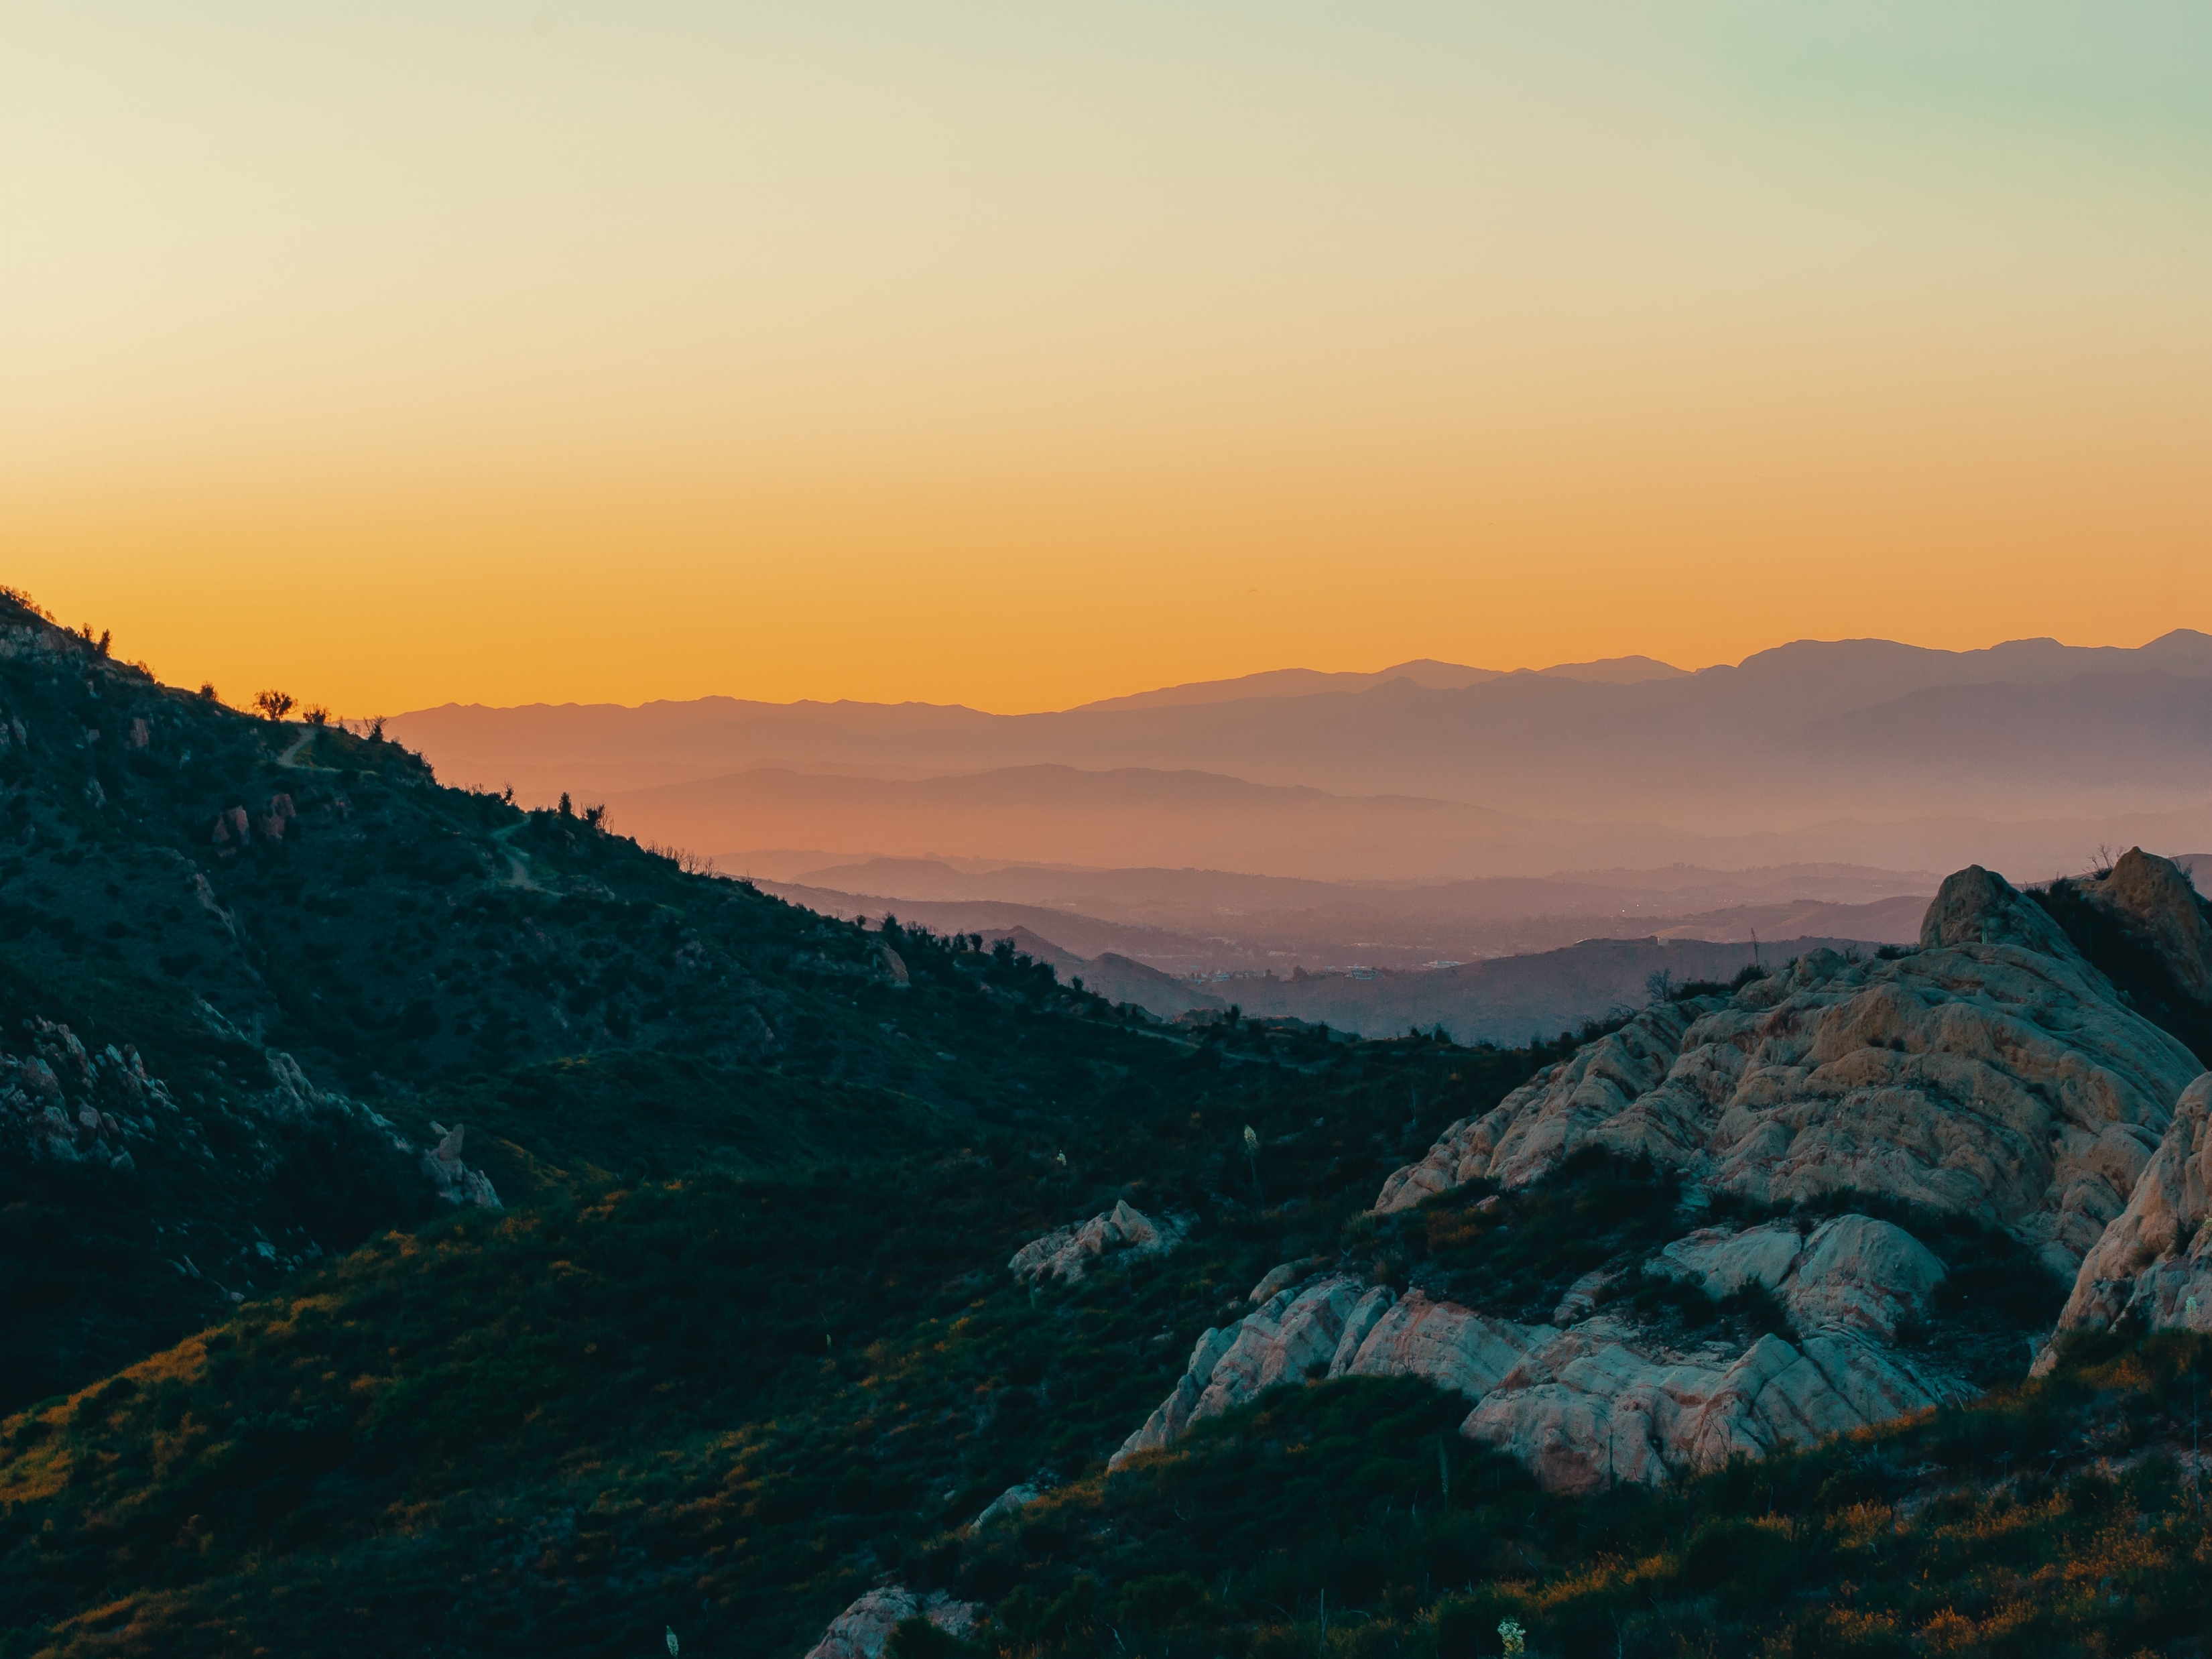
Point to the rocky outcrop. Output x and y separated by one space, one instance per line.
1994 1073
1558 1109
2157 902
455 1182
1850 1273
63 1103
1299 1332
1603 1400
294 1095
1281 1277
1066 1253
2153 1265
862 1630
1008 1505
1601 1404
1977 907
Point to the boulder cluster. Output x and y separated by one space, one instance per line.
63 1103
1992 1074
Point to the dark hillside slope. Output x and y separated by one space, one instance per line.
725 1403
215 924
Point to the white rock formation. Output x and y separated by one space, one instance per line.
1601 1404
1994 1073
1300 1330
1602 1401
1067 1252
2155 1263
863 1629
1008 1505
1850 1273
455 1182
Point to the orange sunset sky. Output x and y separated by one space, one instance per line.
1019 356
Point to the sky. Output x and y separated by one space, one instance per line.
1017 356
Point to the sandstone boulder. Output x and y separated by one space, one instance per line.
1299 1332
2155 1263
1066 1253
1008 1505
1852 1273
2003 1080
863 1629
1278 1278
2159 904
1452 1347
1994 1073
1602 1402
1979 907
455 1181
1601 1405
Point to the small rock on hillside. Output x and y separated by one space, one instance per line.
1008 1505
1603 1400
1066 1253
456 1183
862 1630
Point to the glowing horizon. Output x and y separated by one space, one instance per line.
518 353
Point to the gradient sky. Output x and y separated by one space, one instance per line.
1019 355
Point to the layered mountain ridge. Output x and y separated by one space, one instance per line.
620 1253
1859 750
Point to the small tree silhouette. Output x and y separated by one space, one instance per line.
274 704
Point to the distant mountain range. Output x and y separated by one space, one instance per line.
2023 757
